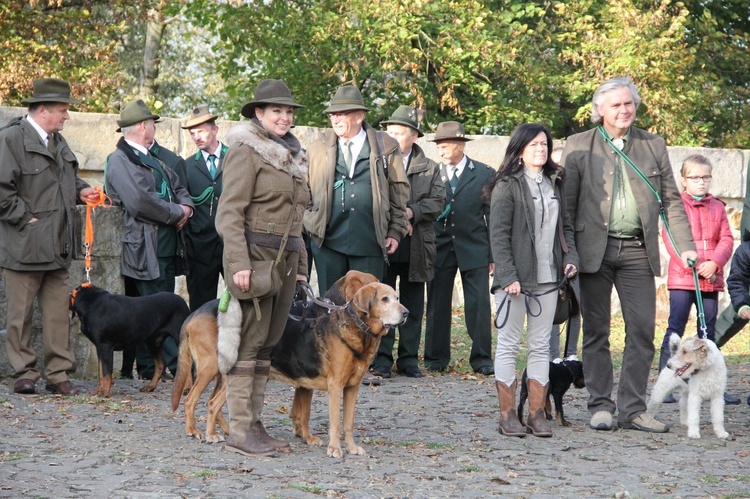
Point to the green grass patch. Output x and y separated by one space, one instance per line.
311 489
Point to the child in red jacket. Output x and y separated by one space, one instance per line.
714 243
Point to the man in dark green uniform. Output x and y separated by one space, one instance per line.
413 263
201 175
463 244
156 208
359 193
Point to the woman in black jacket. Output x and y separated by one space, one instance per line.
528 222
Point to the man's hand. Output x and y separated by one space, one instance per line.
88 194
391 245
187 211
570 270
409 228
409 213
242 279
745 314
301 277
688 255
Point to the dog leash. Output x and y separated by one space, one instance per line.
698 295
101 200
529 297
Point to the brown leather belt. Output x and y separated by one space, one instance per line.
268 240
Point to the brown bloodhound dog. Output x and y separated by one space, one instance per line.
324 351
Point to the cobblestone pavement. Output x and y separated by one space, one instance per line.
429 437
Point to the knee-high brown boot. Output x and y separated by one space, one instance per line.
537 423
509 426
243 436
262 369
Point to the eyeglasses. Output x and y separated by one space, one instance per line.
704 178
339 114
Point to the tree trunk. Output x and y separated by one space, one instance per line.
151 51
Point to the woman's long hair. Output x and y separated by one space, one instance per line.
512 163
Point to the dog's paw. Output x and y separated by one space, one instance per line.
694 434
356 450
214 438
194 433
566 423
334 451
722 435
313 440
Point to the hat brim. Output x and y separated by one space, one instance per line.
121 125
198 121
340 108
402 123
455 139
248 109
62 100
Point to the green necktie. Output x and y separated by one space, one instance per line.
212 167
454 179
348 154
51 144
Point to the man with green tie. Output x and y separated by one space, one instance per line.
156 206
201 175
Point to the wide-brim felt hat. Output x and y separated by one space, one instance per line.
51 90
406 116
346 98
269 91
135 112
198 115
450 130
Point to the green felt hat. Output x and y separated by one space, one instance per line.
135 112
404 115
51 90
347 98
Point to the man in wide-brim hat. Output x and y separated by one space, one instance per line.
361 224
414 260
39 186
463 245
148 189
202 176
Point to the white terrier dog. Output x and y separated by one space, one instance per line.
695 372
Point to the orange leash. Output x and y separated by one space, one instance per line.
101 200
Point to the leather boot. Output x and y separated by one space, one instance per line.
537 424
243 436
262 369
509 426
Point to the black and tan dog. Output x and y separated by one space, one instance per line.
561 376
113 322
331 352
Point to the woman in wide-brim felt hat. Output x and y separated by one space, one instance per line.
264 195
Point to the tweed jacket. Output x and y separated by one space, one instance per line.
389 194
512 233
426 200
465 227
130 183
259 177
590 166
33 183
203 242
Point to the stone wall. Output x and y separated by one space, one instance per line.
92 137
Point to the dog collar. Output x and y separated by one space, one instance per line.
357 320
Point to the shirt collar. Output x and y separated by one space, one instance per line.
357 141
460 166
39 130
217 153
137 147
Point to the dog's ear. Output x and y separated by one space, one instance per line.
702 351
364 298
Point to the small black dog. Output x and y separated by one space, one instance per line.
113 322
561 376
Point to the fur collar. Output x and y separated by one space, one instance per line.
271 151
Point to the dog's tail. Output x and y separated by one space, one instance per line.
184 365
230 327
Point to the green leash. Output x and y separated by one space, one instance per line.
698 296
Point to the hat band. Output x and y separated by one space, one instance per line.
47 96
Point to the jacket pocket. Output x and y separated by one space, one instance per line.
36 242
